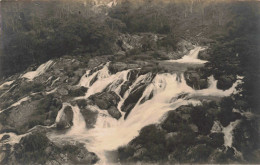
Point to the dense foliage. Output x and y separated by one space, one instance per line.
36 32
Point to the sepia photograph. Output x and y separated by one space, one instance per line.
129 82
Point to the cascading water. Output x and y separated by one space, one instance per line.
192 57
109 133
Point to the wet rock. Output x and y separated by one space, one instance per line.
62 91
40 129
132 99
132 75
74 80
195 80
36 148
114 112
90 117
246 137
225 82
82 103
104 100
4 138
77 91
66 119
172 122
124 88
80 72
77 154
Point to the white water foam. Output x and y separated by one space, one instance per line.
17 103
192 57
8 83
109 133
40 70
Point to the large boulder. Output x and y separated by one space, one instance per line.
36 148
66 118
114 112
225 81
32 113
132 99
246 137
107 101
76 91
90 117
104 100
195 80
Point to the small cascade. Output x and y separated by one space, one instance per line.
61 111
79 124
8 83
228 133
192 57
39 71
13 138
212 90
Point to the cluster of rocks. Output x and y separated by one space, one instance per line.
36 148
187 136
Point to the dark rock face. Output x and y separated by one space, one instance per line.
40 111
195 80
107 101
226 114
36 148
246 138
135 94
89 116
132 99
114 112
183 137
132 75
104 100
5 137
66 119
77 91
225 82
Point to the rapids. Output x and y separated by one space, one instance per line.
109 133
40 70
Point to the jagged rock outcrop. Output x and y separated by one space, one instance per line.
135 94
107 101
225 81
37 148
65 119
90 117
195 79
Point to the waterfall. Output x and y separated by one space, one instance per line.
40 70
160 96
192 57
